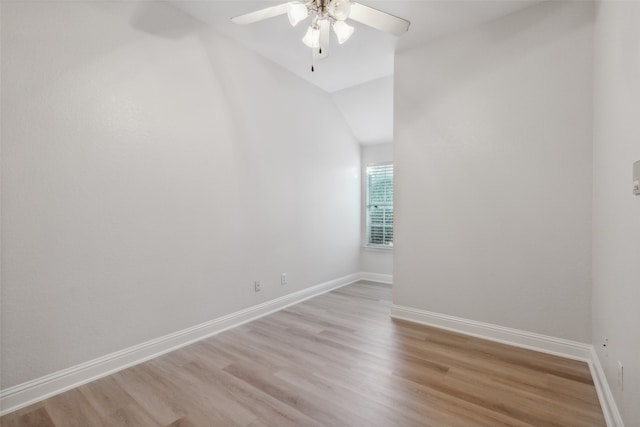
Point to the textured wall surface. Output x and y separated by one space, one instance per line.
151 171
493 153
616 212
368 109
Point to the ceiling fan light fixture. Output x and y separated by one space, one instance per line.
296 12
324 15
340 9
342 30
312 37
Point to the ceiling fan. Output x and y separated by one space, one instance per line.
325 15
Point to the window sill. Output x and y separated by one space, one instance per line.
378 248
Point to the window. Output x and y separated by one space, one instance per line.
380 205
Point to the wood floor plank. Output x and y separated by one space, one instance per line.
72 409
131 415
105 394
263 405
334 360
156 398
36 417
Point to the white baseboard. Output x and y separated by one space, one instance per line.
609 408
529 340
33 391
376 277
30 392
543 343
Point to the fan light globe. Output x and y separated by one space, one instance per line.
312 38
343 31
340 9
296 12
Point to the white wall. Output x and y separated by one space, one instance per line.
492 148
151 171
374 260
368 110
616 212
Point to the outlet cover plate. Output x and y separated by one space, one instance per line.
636 178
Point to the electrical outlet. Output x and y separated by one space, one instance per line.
620 376
636 178
283 279
257 285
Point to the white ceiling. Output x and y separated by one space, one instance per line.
368 110
364 60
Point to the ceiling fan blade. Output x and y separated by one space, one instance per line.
325 33
378 19
261 14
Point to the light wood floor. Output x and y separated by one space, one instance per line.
335 360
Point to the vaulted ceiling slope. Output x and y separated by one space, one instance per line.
363 61
367 56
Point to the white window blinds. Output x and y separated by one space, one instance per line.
380 204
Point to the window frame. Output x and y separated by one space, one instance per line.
367 224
